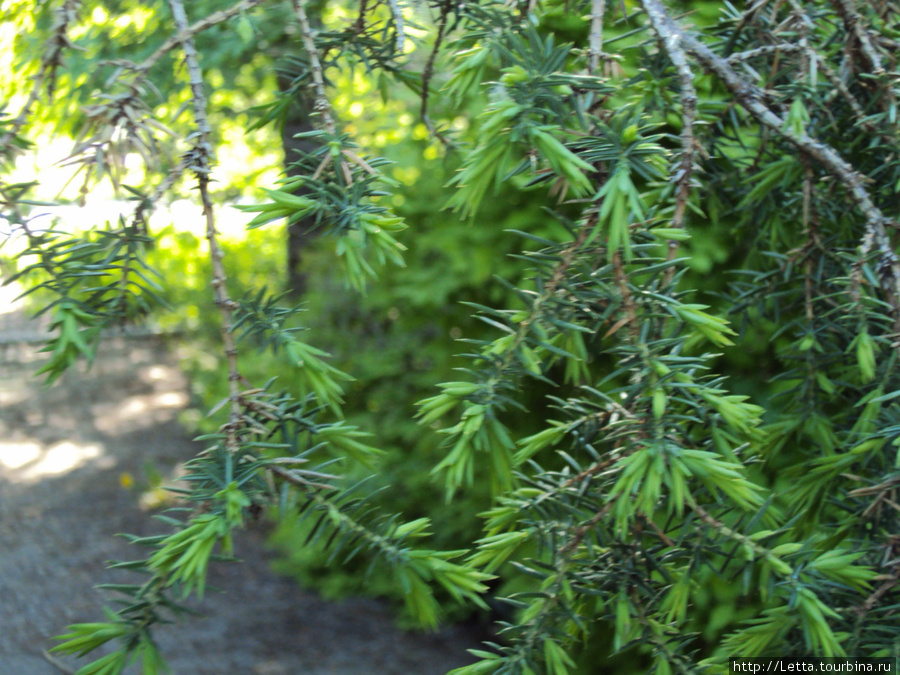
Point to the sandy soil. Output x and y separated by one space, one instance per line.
67 454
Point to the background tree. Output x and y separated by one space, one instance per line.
647 430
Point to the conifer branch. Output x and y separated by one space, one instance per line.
427 74
751 98
854 24
360 25
188 32
321 105
399 26
59 41
595 50
670 42
200 164
628 304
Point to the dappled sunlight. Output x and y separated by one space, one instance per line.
16 455
157 373
129 413
28 461
136 412
8 398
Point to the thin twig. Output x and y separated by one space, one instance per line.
671 44
880 592
853 22
549 292
360 24
628 305
784 47
294 478
809 230
188 32
663 537
722 528
428 71
582 530
322 104
146 207
201 157
62 667
802 15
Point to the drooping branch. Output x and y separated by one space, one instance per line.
399 26
853 23
752 99
200 164
840 87
671 44
52 59
188 32
322 104
428 71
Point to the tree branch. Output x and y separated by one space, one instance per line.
59 40
321 105
598 9
751 98
853 24
397 14
671 43
201 162
188 32
427 73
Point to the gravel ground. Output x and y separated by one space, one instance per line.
67 454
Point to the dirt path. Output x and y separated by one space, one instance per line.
65 453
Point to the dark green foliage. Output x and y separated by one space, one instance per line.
677 301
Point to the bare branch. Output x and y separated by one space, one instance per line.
782 47
360 24
201 161
429 70
399 26
321 105
598 9
671 44
188 32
